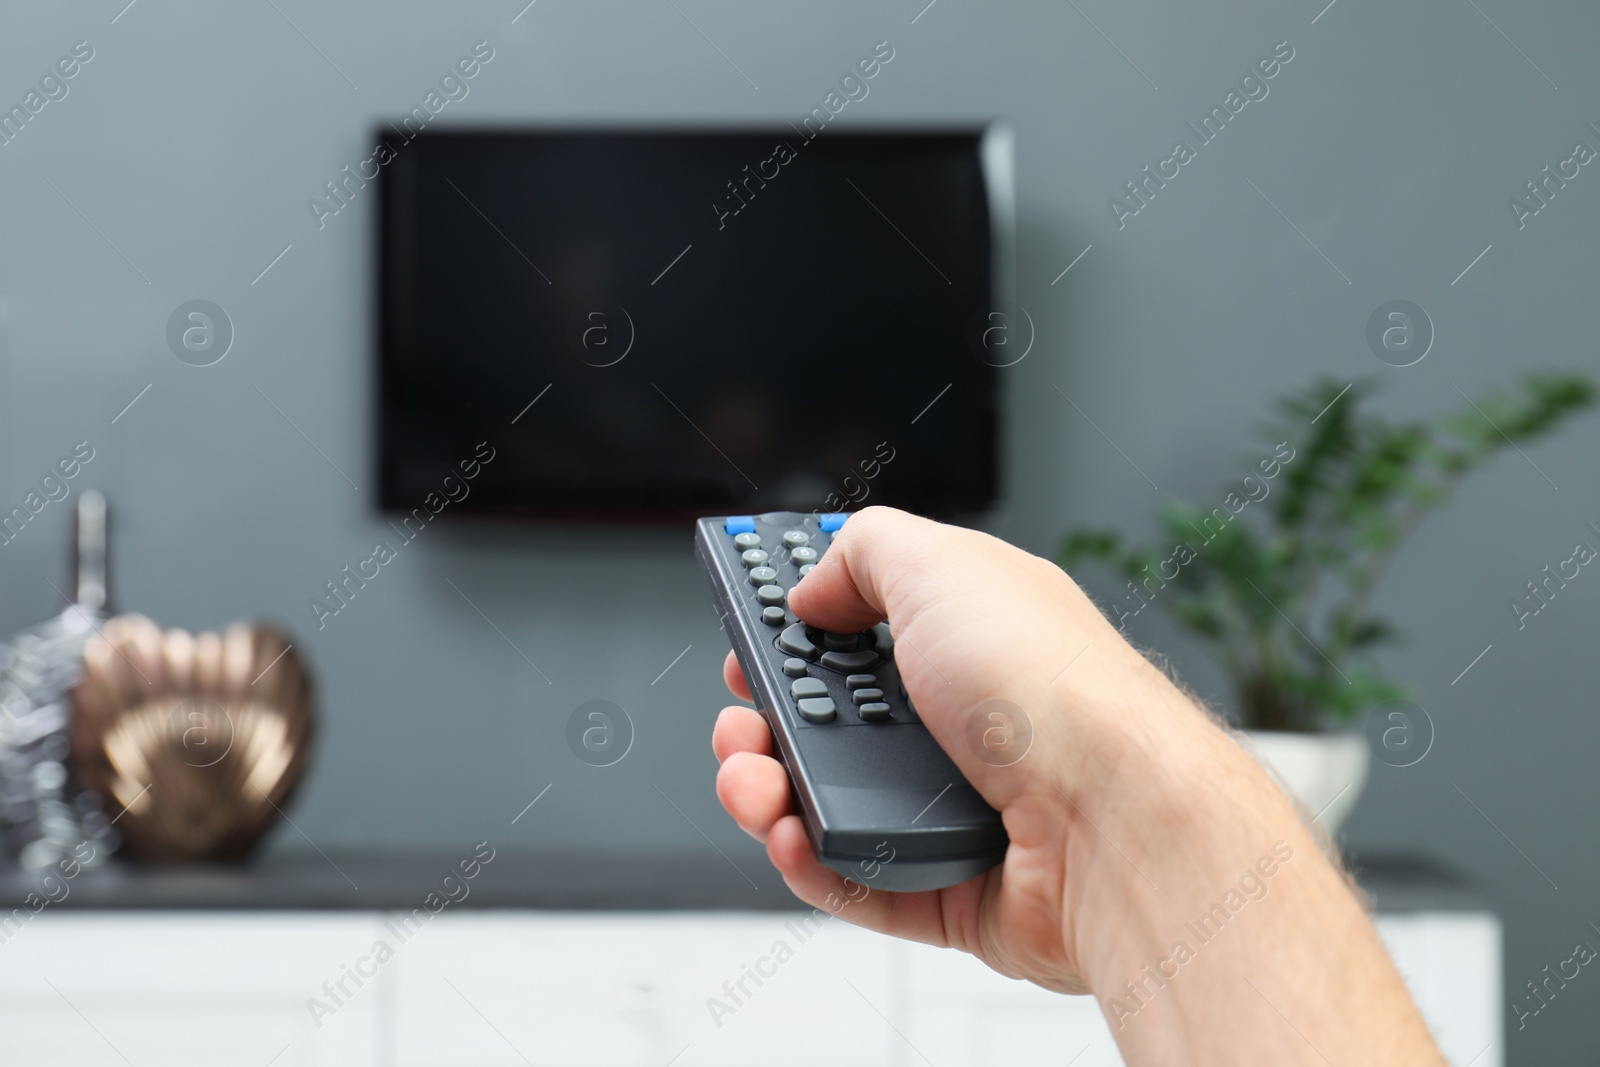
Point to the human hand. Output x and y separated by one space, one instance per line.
1132 812
976 620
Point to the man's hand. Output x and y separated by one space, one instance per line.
1130 815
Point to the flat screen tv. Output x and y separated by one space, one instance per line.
648 325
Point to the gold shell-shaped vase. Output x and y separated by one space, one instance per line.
195 739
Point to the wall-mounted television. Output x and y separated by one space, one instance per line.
647 325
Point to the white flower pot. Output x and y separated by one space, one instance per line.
1325 772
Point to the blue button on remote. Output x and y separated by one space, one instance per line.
829 523
738 524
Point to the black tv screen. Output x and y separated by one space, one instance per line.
650 325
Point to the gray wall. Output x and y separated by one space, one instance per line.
1392 140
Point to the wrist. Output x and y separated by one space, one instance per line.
1176 820
1199 892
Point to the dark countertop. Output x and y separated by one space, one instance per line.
382 880
555 881
1402 882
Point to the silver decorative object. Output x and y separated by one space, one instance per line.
43 816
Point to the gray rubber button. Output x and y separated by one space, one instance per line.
883 640
857 681
808 687
770 594
819 709
807 569
804 556
747 541
842 642
763 576
849 662
773 616
794 641
796 538
867 696
874 712
794 668
754 557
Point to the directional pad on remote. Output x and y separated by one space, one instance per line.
849 662
883 640
843 642
795 642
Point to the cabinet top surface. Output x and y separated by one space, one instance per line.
556 881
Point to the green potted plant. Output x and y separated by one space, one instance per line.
1278 577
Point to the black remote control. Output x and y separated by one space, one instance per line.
882 803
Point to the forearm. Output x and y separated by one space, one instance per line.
1212 929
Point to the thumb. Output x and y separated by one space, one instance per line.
854 585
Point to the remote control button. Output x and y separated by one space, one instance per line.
883 640
770 594
828 523
807 569
794 641
804 556
849 662
873 712
754 557
773 616
763 576
794 668
907 698
818 709
804 688
867 696
738 524
796 538
842 642
747 540
859 681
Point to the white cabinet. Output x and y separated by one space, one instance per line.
587 989
1449 960
975 1017
582 990
171 990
